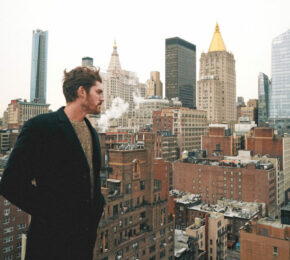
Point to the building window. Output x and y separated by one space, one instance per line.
275 250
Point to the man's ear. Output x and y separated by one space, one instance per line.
81 92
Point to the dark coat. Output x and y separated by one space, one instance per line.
64 217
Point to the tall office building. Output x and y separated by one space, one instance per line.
39 67
154 85
180 71
216 88
264 85
87 62
280 89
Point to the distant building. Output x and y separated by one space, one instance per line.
122 84
144 114
188 124
240 101
180 71
221 142
20 111
264 86
87 62
237 178
240 104
216 88
265 239
251 110
154 85
244 126
39 67
263 141
279 113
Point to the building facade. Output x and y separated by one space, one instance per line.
136 223
14 223
20 111
87 62
154 85
264 86
180 71
188 124
39 66
223 179
265 239
118 83
280 88
218 142
144 114
216 88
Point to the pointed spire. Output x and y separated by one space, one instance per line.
217 42
115 65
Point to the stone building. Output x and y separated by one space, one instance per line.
20 111
216 88
154 85
188 124
122 84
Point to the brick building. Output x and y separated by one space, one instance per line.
263 141
246 181
136 223
265 239
218 142
166 146
13 223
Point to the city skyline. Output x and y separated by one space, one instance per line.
247 28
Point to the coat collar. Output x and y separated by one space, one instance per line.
72 138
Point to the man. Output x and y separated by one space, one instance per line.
53 173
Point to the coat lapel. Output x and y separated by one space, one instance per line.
71 137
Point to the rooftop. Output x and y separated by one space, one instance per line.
232 208
276 223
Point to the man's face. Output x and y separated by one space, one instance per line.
94 99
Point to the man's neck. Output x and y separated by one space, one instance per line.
74 112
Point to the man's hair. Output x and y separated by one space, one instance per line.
79 76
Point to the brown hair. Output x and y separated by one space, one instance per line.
79 76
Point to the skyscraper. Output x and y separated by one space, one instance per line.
154 85
264 85
39 66
180 71
280 89
216 88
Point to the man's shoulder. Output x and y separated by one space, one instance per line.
43 120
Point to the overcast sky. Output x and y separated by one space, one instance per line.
89 27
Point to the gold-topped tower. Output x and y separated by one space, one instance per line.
216 88
217 42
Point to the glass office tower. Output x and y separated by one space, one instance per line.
264 85
280 89
180 71
39 67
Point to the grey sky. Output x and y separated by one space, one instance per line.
89 27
